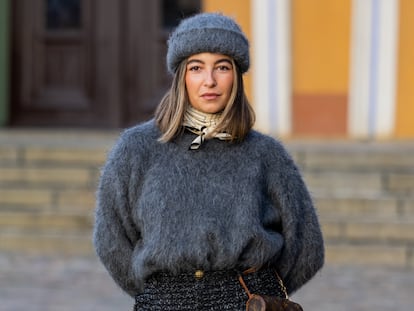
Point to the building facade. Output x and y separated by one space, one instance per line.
320 68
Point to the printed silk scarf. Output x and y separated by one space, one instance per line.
202 124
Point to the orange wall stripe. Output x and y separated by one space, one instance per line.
320 60
405 89
321 38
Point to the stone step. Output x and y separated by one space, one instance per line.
400 256
368 231
353 155
47 243
358 183
357 159
48 176
354 168
46 233
51 155
357 243
335 230
45 222
345 252
47 199
345 207
63 152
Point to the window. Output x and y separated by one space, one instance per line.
175 10
63 14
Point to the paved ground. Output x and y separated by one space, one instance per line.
81 284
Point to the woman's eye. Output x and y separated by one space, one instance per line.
223 68
194 68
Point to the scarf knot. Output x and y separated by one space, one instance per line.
203 125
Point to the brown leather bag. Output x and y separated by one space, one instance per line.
269 303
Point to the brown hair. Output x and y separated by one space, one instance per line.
237 117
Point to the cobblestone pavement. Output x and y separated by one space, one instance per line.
55 283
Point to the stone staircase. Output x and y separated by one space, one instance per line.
363 192
47 184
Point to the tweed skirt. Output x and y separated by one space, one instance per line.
214 291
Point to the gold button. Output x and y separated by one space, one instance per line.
199 274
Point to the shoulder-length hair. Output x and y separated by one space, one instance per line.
237 117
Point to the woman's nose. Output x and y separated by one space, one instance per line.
209 79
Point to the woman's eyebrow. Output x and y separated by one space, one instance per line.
194 61
216 62
223 60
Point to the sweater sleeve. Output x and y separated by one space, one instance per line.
303 252
115 234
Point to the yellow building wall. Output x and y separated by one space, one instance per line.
240 11
320 60
405 84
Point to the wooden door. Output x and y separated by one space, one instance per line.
90 63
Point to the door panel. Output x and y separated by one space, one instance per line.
53 63
90 63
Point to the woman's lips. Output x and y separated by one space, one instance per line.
210 96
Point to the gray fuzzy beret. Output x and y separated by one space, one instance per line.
208 32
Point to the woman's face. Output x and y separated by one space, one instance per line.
209 80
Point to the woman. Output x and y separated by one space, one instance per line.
188 200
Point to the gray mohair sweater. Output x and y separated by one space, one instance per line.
163 207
